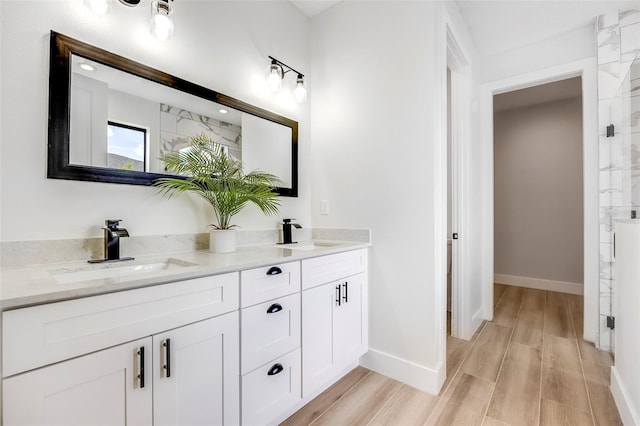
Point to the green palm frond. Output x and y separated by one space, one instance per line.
219 179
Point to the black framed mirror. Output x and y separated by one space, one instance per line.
111 119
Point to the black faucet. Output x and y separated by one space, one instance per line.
112 235
286 231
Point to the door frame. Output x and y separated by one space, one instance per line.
586 69
458 64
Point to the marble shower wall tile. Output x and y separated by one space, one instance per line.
605 334
611 188
634 108
177 126
609 45
611 153
629 17
629 41
607 21
610 112
608 79
606 286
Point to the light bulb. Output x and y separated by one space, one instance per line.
300 91
161 20
87 67
275 76
99 7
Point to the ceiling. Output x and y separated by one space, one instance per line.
313 7
498 26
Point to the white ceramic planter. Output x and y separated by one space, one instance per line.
222 240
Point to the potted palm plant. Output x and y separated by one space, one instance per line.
218 178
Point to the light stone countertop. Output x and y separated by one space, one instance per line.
34 285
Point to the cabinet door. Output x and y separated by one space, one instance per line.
101 388
317 336
334 332
348 326
197 373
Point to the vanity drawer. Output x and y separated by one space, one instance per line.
41 335
324 269
269 330
270 282
271 390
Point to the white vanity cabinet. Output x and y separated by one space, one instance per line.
334 316
270 342
248 347
105 359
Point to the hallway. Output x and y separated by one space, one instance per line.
528 366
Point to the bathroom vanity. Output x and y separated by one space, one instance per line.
245 338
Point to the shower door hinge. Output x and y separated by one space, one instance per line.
611 322
455 236
610 131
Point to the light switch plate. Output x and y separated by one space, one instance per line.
324 207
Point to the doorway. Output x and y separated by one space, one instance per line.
586 70
538 187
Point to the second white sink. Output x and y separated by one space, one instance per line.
309 245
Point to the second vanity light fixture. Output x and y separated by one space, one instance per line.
161 23
277 70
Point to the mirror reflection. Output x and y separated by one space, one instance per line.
122 121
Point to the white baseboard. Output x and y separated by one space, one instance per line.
540 284
417 376
628 413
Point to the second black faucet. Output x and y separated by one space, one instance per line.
286 231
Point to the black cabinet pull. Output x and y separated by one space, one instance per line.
276 307
346 292
277 368
338 295
167 357
140 354
274 270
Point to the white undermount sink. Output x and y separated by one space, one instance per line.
308 245
113 270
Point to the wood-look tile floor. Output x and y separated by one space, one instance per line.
529 366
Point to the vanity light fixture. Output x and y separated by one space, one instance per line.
300 92
161 19
161 23
277 70
87 67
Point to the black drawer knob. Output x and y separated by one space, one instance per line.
277 368
274 270
276 307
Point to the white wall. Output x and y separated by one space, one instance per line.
372 124
222 45
379 138
563 49
538 192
